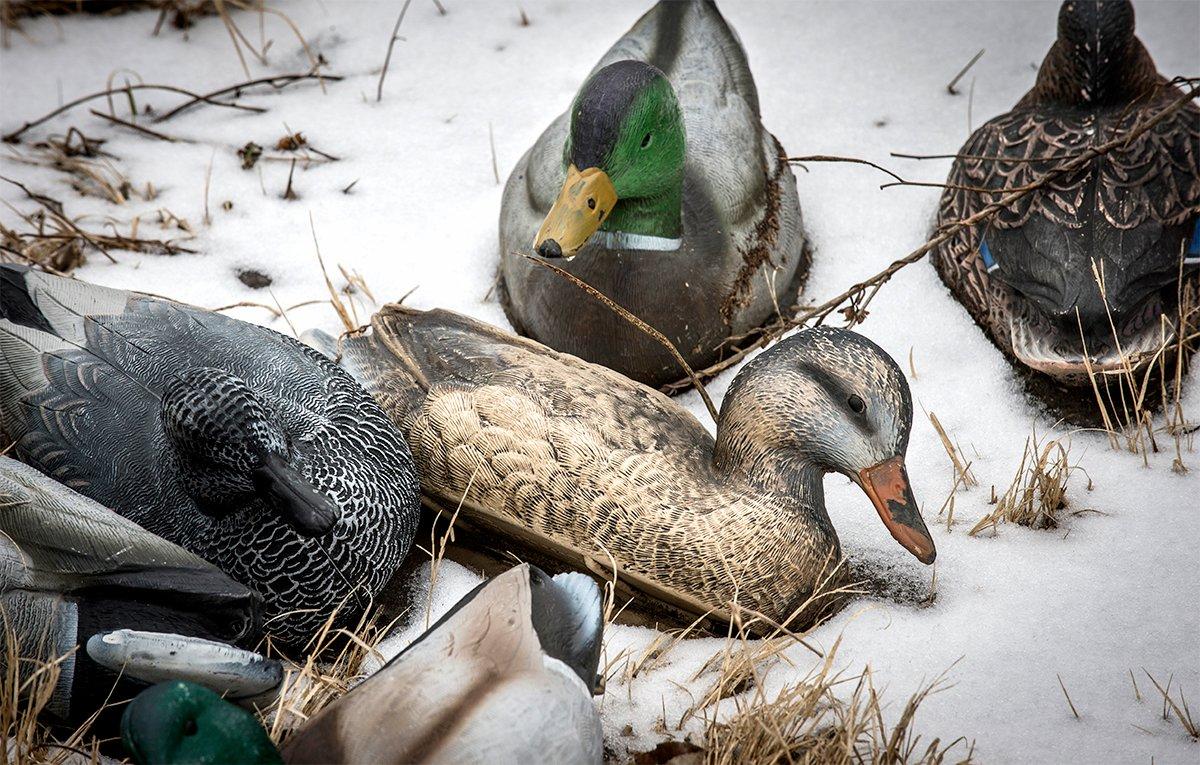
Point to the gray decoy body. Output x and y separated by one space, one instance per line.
75 576
1030 276
732 254
505 677
241 445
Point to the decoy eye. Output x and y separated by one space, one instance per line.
857 404
189 727
646 139
591 203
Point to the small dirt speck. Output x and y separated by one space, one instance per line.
253 278
881 122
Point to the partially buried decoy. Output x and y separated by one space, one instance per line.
506 676
115 606
239 444
669 194
596 470
1130 218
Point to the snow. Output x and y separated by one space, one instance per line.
1110 592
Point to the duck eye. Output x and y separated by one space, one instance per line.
646 139
591 203
857 404
189 727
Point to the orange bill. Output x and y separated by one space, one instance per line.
887 486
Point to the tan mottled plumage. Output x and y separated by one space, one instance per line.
552 449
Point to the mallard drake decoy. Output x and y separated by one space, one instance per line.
74 576
506 675
672 197
235 442
593 467
1027 275
181 723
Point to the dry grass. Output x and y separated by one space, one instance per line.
813 721
1037 496
1170 707
1126 398
26 687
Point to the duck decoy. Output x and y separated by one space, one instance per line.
74 576
507 675
591 468
669 195
1030 276
235 442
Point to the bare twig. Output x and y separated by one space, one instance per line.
391 44
279 82
134 126
950 88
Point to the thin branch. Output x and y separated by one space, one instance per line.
391 44
16 134
134 126
950 88
850 160
279 82
625 314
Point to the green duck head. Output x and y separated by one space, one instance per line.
179 723
624 157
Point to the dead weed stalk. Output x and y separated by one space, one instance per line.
1038 492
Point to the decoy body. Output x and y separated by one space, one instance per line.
587 464
673 199
506 676
75 576
1029 275
237 443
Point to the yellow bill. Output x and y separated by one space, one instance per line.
586 199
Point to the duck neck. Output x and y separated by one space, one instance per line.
749 448
1093 76
648 219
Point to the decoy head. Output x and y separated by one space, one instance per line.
828 398
624 158
178 722
233 447
1097 58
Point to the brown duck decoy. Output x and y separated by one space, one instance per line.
1028 276
596 471
667 194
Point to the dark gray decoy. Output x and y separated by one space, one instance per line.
235 442
117 607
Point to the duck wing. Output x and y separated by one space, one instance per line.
69 544
1133 209
84 368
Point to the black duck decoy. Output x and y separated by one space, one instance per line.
239 444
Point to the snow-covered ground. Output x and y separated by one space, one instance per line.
1105 594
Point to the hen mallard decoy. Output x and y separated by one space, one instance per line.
241 445
591 467
75 576
672 197
506 676
1027 275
